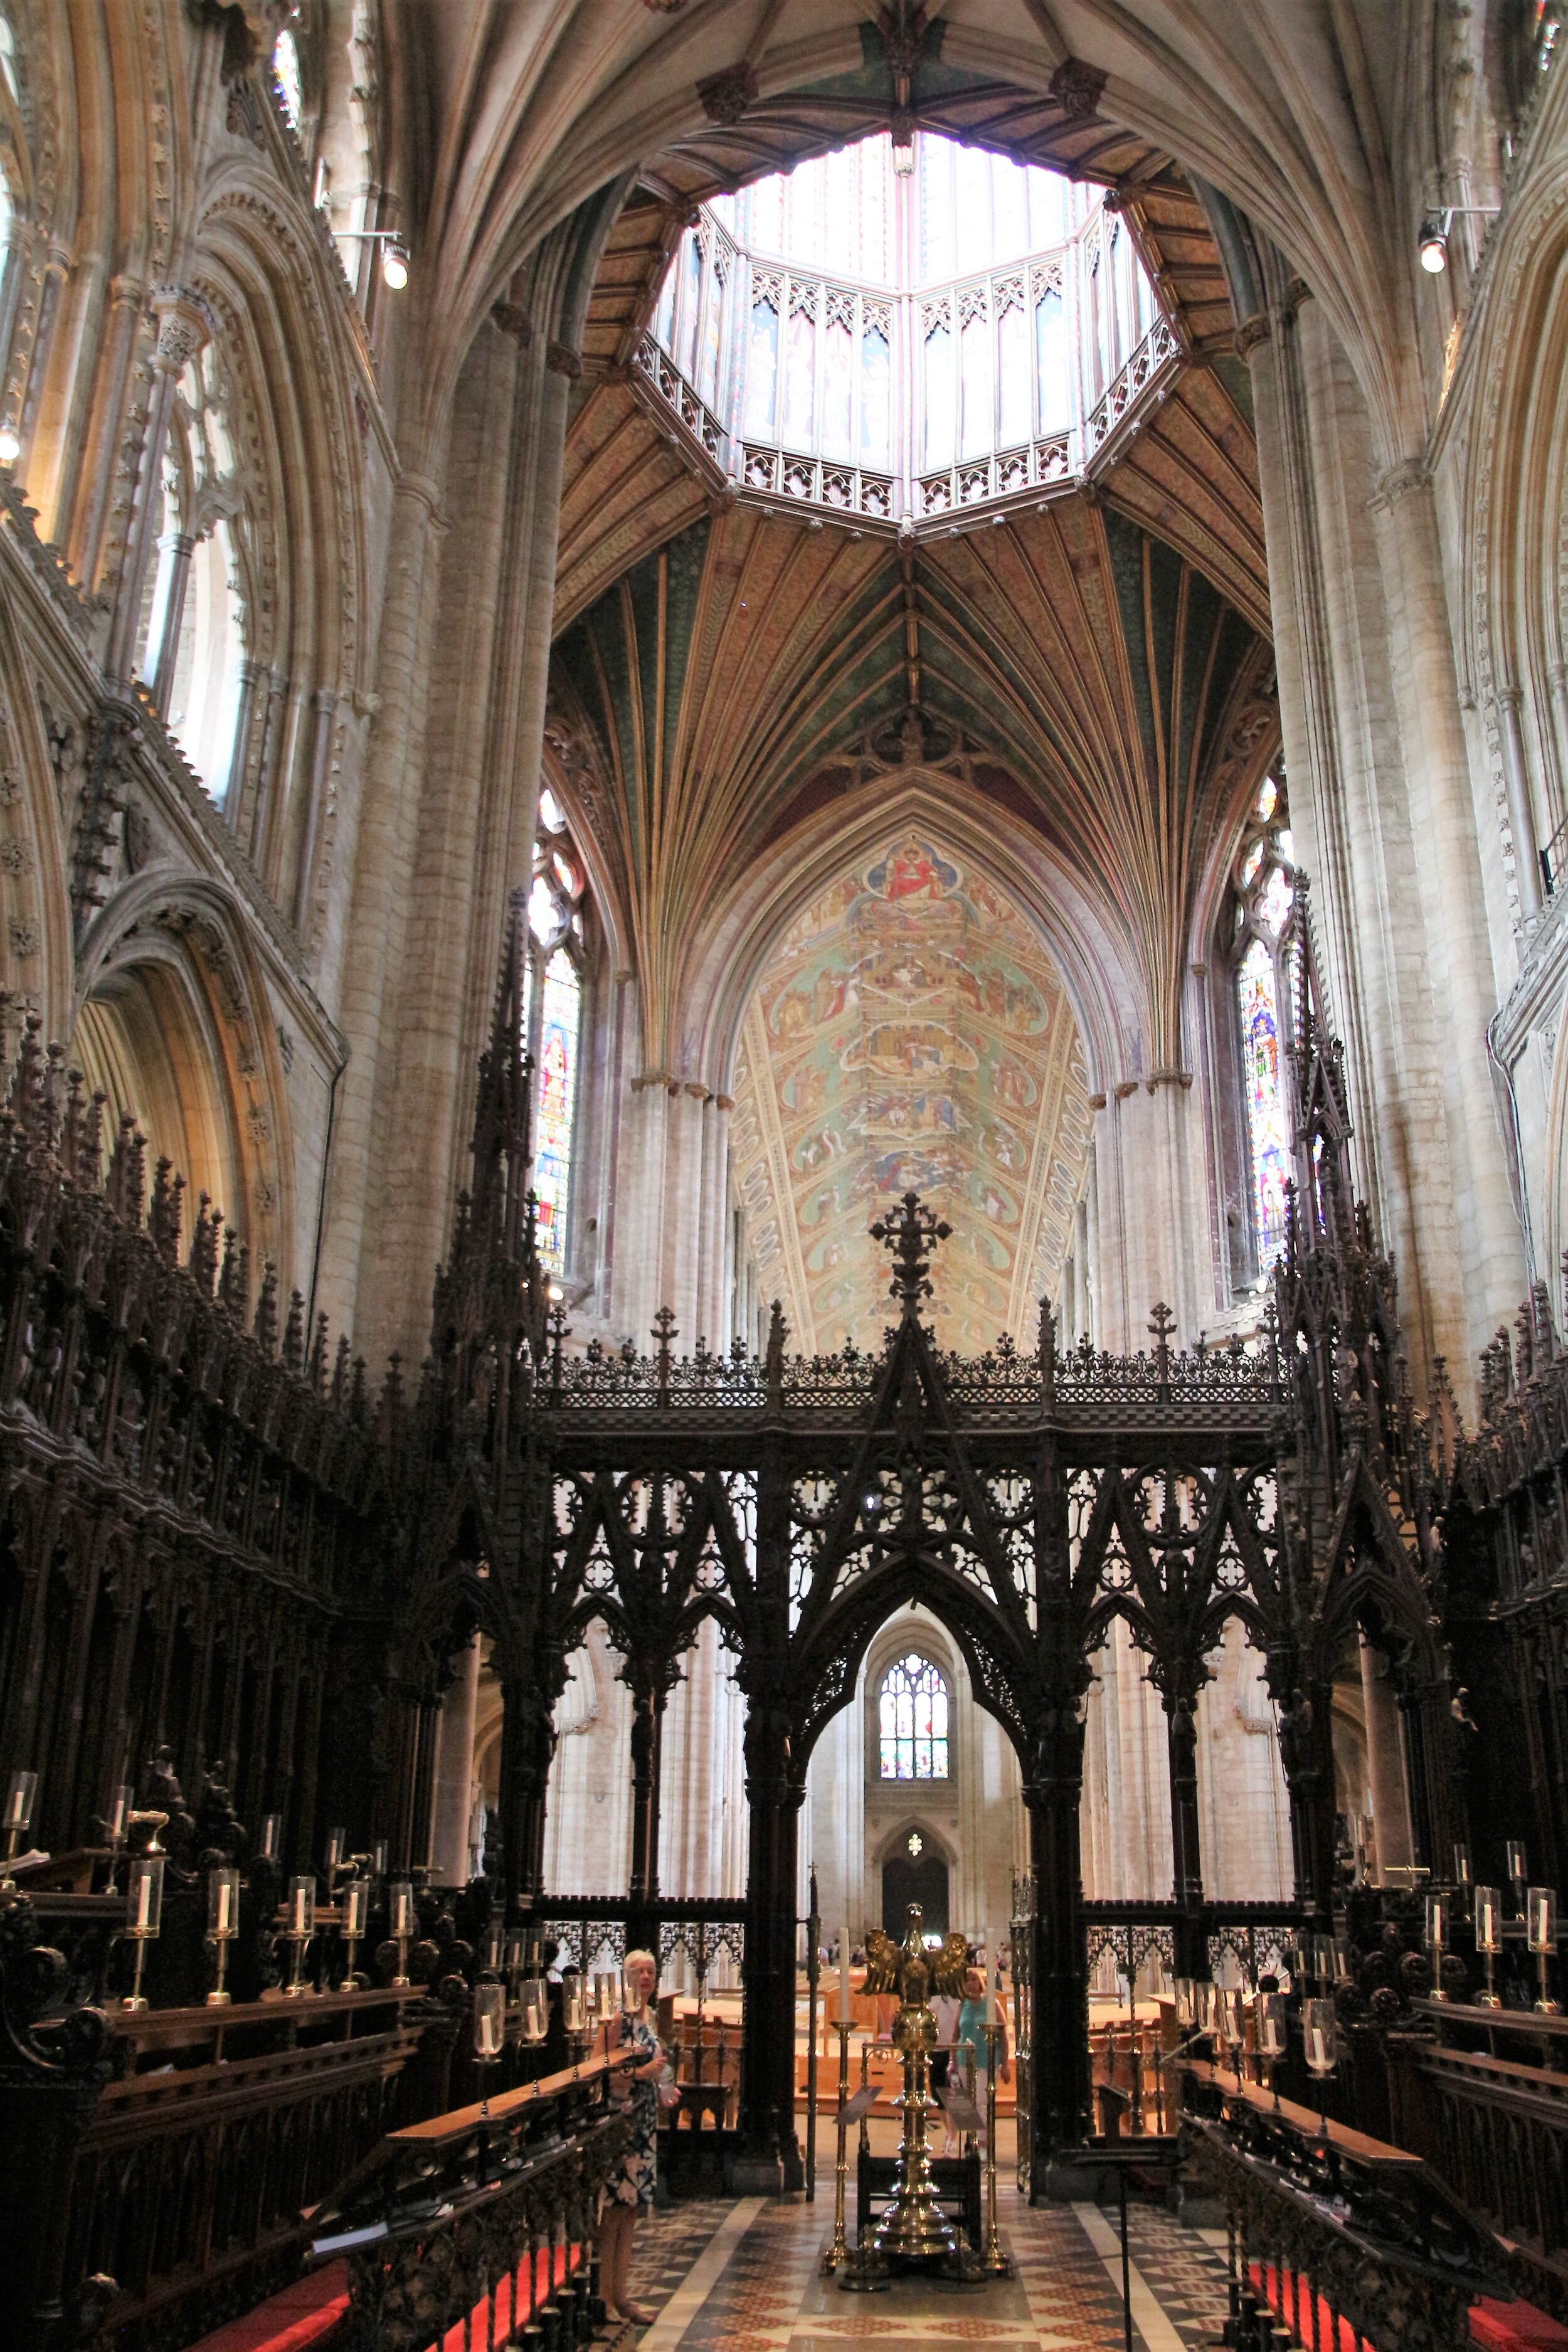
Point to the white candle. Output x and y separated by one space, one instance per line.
299 1910
144 1899
843 1976
223 1896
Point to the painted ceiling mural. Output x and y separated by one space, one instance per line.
910 1031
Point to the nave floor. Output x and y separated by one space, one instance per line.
742 2276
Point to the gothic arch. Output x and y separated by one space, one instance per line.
742 932
260 266
170 1006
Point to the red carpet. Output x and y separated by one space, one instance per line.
1499 2327
307 2312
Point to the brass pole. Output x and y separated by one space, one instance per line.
838 2251
992 2259
813 1966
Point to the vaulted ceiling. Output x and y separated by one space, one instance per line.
1093 678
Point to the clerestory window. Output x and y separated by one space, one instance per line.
1264 893
552 1022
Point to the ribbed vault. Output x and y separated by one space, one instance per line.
1091 676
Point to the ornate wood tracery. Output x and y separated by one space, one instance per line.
213 1545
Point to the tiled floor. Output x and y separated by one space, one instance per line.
743 2277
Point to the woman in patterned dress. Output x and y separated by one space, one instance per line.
630 2192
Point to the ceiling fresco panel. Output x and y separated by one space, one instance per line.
910 1031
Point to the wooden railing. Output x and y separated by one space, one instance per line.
1491 2117
1345 2239
483 2219
192 2177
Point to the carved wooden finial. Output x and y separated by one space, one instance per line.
910 1236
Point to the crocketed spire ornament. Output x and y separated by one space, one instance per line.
910 1236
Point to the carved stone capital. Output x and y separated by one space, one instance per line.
562 359
1078 88
1251 332
1409 473
511 321
725 96
185 324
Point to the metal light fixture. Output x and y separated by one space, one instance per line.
10 444
1434 243
395 265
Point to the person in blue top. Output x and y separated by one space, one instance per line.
970 2038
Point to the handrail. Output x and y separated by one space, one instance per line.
449 2131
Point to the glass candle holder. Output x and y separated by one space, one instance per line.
1320 2047
494 1950
489 2022
300 1926
1489 1939
1186 2004
1271 2036
1518 1871
1437 1937
1541 1918
337 1844
21 1795
400 1912
1461 1863
1322 1968
272 1837
1231 2020
534 2000
378 1859
356 1906
575 2007
606 1994
223 1924
144 1914
516 1957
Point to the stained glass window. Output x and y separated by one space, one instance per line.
912 1720
553 1023
286 73
557 1098
1264 873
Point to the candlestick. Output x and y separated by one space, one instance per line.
1320 2044
301 1928
223 1924
1518 1871
843 1976
1489 1940
837 2253
356 1903
991 2259
1436 1936
400 1912
143 1915
272 1837
1541 1917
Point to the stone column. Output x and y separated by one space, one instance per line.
174 551
1521 816
183 328
325 705
1441 811
454 1773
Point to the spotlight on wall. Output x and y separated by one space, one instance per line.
10 444
395 265
1434 243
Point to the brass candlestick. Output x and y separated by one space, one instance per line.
838 2251
991 2259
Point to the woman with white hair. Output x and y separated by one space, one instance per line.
630 2192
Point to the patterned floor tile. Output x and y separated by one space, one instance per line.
763 2290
